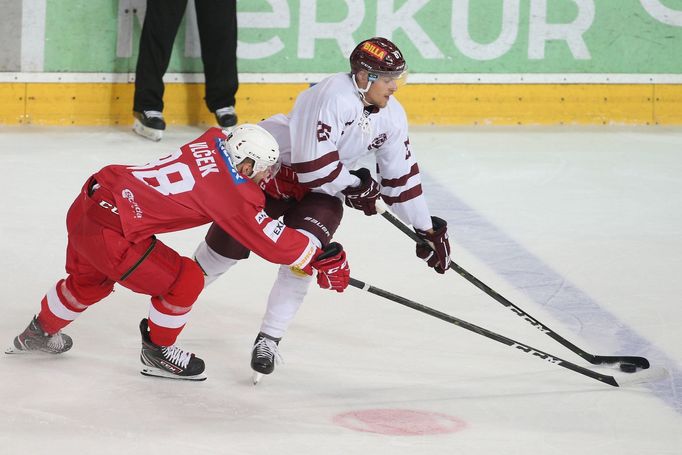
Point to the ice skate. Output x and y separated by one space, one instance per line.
264 356
35 339
149 124
168 361
226 117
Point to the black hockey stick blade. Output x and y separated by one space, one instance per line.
640 362
606 379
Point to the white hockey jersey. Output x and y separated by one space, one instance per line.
330 132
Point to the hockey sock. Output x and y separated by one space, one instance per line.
58 308
285 298
212 264
166 322
169 313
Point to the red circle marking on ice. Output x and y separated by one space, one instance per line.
399 422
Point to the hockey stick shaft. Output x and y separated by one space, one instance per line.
610 380
593 359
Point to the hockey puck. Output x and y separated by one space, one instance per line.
628 367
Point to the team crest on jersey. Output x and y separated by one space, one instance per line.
237 178
377 142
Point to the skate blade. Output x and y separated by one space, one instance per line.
149 133
158 373
14 350
256 377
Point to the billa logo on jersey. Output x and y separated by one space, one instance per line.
376 51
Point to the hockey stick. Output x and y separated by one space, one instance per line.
610 380
640 362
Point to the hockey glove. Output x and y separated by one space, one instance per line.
435 248
363 197
332 268
285 185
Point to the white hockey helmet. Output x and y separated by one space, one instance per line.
252 141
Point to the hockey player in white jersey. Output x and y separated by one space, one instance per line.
332 128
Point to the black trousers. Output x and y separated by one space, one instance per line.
217 21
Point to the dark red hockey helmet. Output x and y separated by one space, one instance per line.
378 56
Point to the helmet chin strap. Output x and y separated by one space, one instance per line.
361 91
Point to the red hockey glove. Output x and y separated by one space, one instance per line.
285 185
363 197
332 268
435 249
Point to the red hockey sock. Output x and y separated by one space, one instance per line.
57 311
165 324
169 313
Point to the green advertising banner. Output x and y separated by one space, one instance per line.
437 36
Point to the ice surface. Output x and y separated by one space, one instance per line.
580 227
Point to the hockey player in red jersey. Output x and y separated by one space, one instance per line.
333 126
111 227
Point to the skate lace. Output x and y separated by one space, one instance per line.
56 341
268 349
151 114
177 355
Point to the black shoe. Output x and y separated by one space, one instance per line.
34 338
149 124
264 356
226 116
168 361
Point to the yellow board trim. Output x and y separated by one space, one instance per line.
426 104
12 103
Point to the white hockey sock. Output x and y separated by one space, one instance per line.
285 298
212 263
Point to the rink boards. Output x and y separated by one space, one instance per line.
110 103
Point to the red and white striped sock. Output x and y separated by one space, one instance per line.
166 321
58 308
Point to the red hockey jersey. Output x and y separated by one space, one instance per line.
196 185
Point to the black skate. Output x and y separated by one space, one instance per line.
226 117
168 361
264 356
149 124
35 339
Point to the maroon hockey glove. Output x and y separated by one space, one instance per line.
332 268
363 197
435 249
